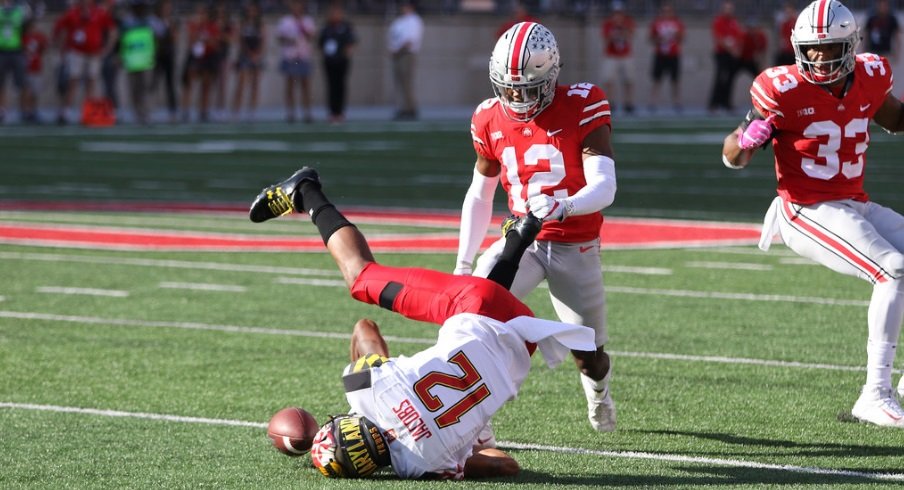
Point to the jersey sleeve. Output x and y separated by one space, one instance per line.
593 111
764 96
879 79
480 136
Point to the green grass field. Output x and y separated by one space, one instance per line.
144 369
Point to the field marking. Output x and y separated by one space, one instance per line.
671 458
174 264
196 286
741 266
112 293
646 271
778 298
121 322
677 458
311 282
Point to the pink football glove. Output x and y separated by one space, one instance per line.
756 134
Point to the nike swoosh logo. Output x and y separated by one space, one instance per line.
553 133
584 249
891 415
865 107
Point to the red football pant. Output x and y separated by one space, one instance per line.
433 296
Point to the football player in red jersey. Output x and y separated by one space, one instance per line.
817 113
549 147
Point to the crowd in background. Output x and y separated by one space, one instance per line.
94 43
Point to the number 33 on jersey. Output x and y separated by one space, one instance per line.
543 155
820 139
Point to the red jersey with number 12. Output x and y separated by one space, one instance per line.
544 155
820 140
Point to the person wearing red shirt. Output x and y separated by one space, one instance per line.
202 62
728 38
817 113
549 147
34 43
666 35
617 32
753 50
83 35
785 20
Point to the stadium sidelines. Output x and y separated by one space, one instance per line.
665 457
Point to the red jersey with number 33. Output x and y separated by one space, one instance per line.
820 140
544 155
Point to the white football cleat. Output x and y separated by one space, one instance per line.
901 388
879 406
600 407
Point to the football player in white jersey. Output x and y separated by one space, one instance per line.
423 414
549 147
816 113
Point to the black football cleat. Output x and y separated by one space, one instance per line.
279 199
527 227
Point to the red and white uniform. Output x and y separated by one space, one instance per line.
820 141
617 36
544 155
431 406
84 31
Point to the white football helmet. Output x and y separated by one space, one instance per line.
825 22
524 68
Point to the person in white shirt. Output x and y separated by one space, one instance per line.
423 415
404 41
295 34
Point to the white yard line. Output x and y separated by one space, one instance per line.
112 293
776 298
174 264
122 322
666 457
741 266
310 282
228 288
646 271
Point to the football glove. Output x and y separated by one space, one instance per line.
546 208
757 133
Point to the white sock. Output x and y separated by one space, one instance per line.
886 311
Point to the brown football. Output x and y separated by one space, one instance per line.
292 431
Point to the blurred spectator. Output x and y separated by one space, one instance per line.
728 38
337 39
222 17
618 66
202 61
12 57
166 28
137 51
296 32
519 14
34 43
82 34
882 32
405 35
667 36
753 49
250 59
109 67
784 22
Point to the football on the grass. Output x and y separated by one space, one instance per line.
292 431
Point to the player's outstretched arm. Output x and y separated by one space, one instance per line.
490 462
891 115
476 212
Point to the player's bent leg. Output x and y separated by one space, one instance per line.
433 296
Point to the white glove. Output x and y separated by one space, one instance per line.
546 208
